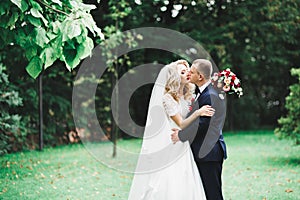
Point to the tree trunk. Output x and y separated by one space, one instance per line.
40 89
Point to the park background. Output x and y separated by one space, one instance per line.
48 40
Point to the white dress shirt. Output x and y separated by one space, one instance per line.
202 88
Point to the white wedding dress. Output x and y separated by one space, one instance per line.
168 171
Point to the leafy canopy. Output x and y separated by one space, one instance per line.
48 31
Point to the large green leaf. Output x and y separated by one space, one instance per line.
70 56
57 45
49 56
30 52
57 2
21 4
34 21
36 13
82 6
89 22
12 20
64 29
52 52
73 30
56 26
51 35
41 37
36 5
34 68
85 48
21 38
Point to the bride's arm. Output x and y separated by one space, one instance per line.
203 111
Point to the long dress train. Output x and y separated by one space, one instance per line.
175 175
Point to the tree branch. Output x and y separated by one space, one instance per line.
59 11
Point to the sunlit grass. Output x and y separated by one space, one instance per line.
69 172
259 166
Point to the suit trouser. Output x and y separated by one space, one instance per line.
210 173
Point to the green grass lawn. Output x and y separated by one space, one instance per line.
259 166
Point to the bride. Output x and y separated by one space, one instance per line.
167 171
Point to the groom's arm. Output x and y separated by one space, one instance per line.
199 125
189 133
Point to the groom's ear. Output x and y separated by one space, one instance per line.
201 77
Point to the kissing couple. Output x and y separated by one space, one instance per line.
183 148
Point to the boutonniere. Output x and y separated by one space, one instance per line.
192 103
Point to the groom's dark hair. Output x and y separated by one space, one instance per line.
204 67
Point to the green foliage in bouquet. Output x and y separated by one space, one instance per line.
290 125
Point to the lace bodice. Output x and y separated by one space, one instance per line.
172 107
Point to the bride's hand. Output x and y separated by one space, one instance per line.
205 111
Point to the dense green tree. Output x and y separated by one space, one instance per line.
35 35
12 128
289 125
258 40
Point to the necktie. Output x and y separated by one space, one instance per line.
197 91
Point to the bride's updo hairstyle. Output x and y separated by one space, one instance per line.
173 81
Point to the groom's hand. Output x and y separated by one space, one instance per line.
174 135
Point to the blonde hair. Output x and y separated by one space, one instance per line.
174 80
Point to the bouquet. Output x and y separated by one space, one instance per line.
227 82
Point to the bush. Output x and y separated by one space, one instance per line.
290 125
12 129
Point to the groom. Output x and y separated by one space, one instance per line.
205 134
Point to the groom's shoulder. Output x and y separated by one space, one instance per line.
212 91
215 94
